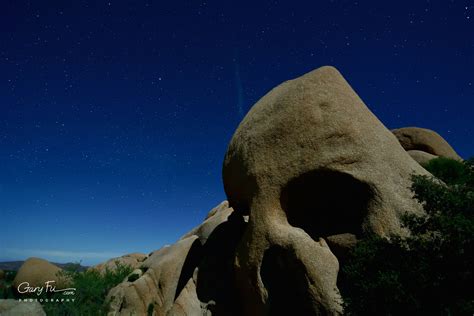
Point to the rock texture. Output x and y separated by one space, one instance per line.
308 161
422 139
13 307
36 272
133 260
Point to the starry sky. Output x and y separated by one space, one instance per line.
115 115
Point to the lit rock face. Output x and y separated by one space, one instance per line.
307 162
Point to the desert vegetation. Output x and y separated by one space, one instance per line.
428 272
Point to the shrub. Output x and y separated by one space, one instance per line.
92 288
429 272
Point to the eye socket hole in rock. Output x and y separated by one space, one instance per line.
326 202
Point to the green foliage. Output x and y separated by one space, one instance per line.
133 277
429 272
6 291
449 170
91 289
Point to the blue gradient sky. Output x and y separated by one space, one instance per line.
115 115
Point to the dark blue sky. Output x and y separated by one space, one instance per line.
115 115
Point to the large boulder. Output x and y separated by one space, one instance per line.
415 138
133 260
13 307
36 272
308 161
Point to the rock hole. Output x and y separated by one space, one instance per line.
325 203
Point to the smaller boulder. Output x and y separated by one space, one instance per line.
13 307
415 138
134 260
421 157
37 272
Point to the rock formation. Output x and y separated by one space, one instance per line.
309 161
308 172
425 140
191 277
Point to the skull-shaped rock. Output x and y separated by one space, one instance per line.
309 161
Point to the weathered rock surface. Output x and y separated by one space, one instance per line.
2 274
134 260
421 157
415 138
13 307
308 161
36 272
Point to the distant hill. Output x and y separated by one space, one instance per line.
15 265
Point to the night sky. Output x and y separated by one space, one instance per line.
115 115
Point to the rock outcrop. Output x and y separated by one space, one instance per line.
190 277
309 172
422 139
36 272
13 307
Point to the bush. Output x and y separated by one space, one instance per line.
429 272
92 288
6 292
